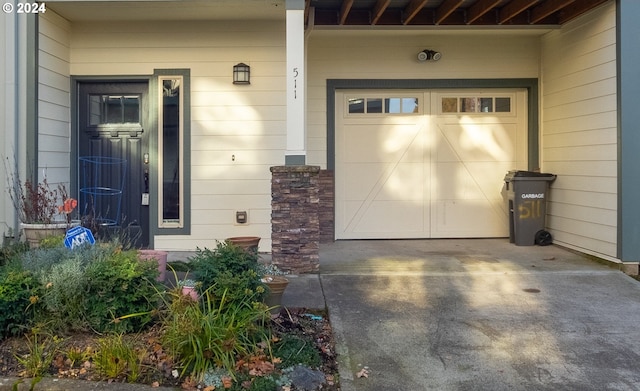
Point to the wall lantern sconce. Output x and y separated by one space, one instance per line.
241 73
429 55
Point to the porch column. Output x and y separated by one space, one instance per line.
628 49
295 153
18 106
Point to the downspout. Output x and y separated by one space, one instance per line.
16 114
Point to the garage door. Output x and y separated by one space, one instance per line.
426 164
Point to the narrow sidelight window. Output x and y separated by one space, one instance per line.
170 155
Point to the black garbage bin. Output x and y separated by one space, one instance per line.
526 194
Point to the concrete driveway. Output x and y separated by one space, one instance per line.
479 315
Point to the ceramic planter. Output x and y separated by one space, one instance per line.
249 243
34 233
190 291
277 285
160 256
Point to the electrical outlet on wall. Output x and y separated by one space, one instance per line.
242 217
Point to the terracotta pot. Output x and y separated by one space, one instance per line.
277 285
160 256
34 233
249 243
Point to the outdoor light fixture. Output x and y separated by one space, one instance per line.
429 55
241 73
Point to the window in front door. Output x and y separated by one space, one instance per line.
114 109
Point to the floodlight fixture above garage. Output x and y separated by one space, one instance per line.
429 55
241 73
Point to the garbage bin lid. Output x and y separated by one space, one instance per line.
521 174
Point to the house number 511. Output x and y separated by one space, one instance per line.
295 83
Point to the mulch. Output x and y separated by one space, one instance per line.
158 368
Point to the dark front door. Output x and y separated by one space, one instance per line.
113 157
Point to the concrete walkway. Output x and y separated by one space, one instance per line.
479 315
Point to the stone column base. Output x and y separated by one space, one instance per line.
295 224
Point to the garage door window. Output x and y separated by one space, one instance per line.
476 104
379 105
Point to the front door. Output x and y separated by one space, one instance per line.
113 157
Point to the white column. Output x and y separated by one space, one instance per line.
13 112
296 151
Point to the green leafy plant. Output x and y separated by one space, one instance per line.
293 350
264 383
117 358
228 268
75 354
91 287
64 295
11 250
120 284
42 351
40 260
52 241
18 293
214 332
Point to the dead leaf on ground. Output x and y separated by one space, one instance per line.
364 372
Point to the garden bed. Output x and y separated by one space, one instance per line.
74 356
98 313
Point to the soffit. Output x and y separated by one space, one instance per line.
347 14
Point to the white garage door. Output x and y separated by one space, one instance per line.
426 164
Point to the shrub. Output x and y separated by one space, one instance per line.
214 333
89 287
18 291
12 250
52 241
120 284
64 295
40 260
229 270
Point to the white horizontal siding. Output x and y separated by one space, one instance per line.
53 97
373 55
237 132
579 136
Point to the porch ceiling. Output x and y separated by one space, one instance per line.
447 12
338 13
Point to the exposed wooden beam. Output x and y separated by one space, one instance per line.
412 10
547 8
480 8
514 8
578 8
378 10
307 9
344 11
446 8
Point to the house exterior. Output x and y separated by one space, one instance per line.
133 105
